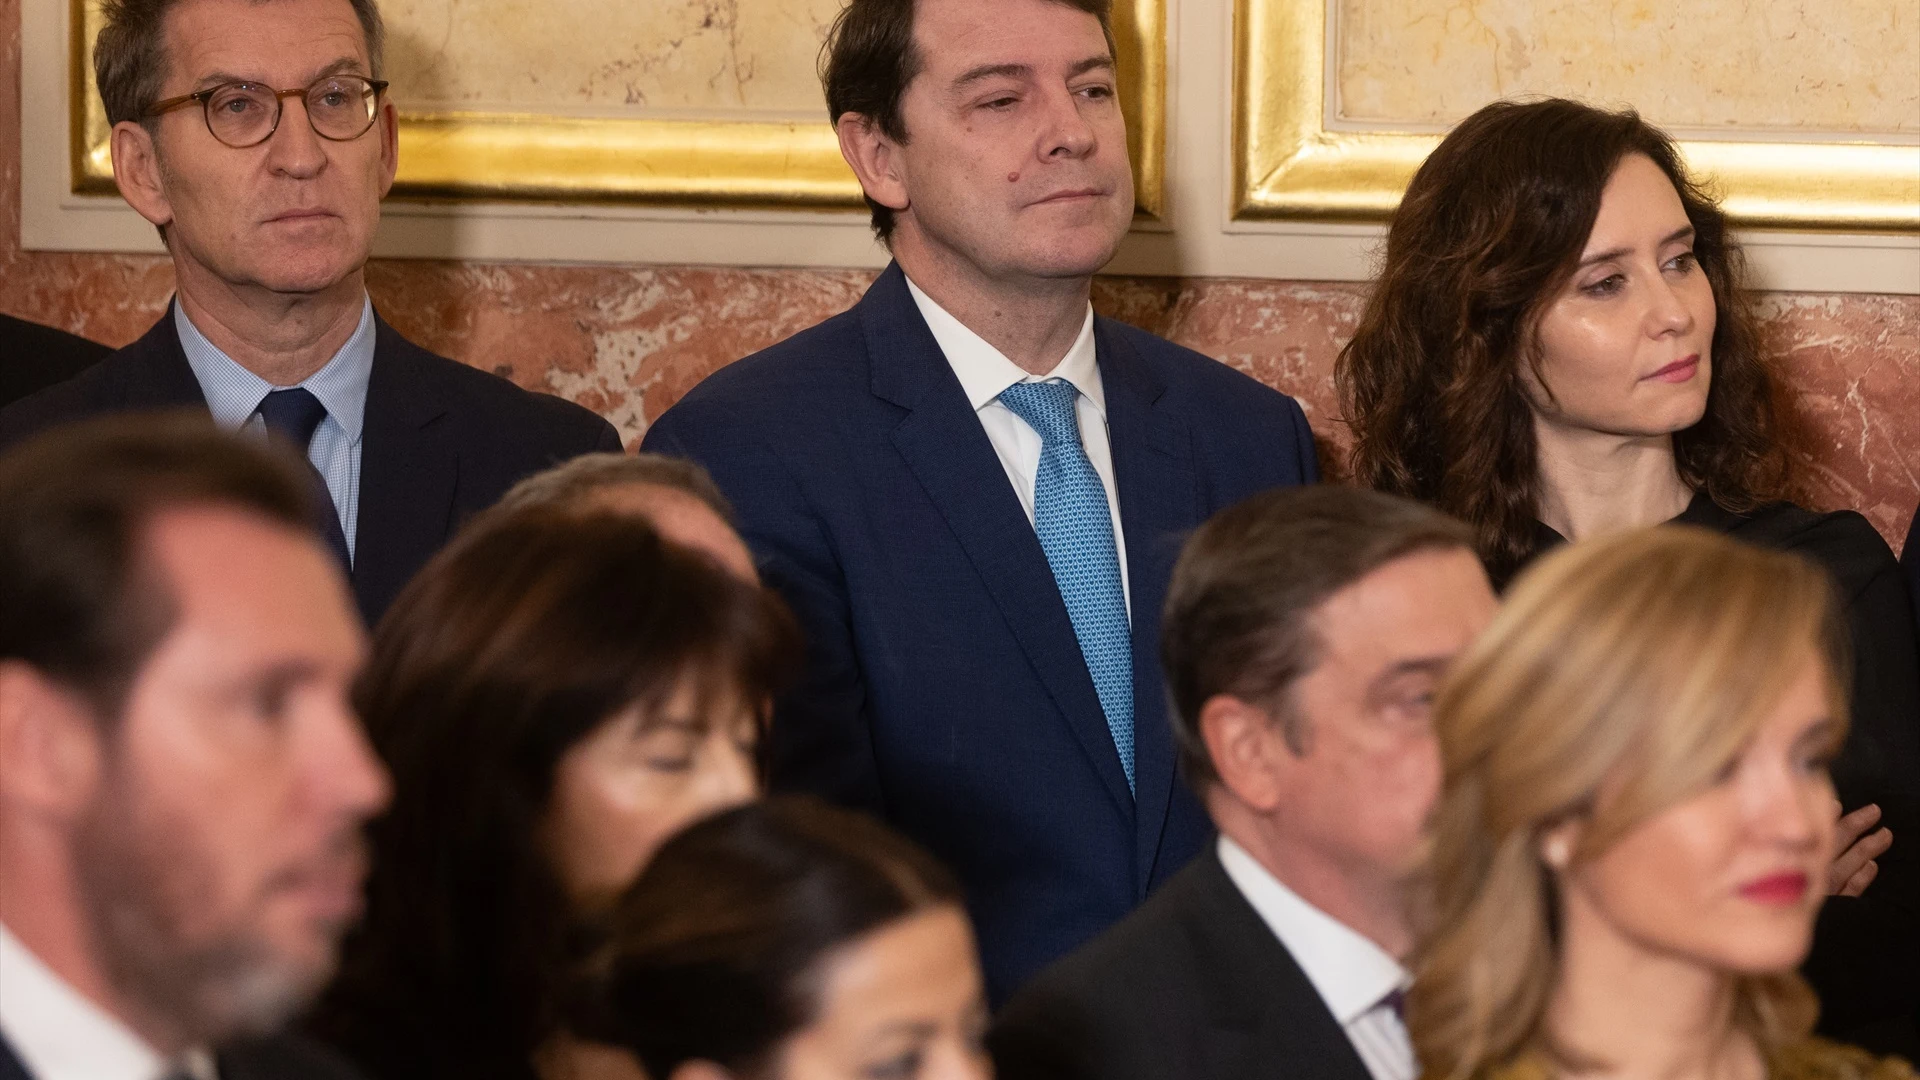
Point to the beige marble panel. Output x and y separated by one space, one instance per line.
624 56
1849 66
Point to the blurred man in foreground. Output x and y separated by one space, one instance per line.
185 781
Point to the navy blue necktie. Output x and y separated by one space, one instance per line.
293 416
1076 531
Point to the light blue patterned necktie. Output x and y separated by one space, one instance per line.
1076 531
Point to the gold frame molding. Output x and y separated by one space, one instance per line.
1287 165
469 156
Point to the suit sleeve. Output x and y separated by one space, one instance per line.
1042 1035
821 740
607 440
1910 560
1303 448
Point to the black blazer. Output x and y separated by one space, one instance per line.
33 357
282 1057
441 440
1910 560
1192 986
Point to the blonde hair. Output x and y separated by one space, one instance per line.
1646 660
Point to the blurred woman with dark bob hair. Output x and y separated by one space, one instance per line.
1561 345
1634 822
789 940
555 694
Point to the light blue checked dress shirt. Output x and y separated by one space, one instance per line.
233 394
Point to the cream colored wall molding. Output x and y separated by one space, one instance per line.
1197 234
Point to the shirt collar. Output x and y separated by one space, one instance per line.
233 392
60 1035
984 371
1350 972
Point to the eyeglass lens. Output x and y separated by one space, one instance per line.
242 114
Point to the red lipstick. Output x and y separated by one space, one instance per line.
1777 890
1679 371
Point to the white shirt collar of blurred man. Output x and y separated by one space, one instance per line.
1353 976
60 1035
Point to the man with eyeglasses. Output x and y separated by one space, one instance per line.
258 138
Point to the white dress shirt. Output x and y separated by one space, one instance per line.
1353 976
234 394
60 1035
984 371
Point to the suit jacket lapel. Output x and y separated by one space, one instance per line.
155 373
943 443
1159 503
10 1066
409 472
1263 1009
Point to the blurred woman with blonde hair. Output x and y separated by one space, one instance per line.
1636 820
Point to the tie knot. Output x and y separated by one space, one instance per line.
1047 406
292 414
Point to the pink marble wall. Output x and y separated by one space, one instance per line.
628 341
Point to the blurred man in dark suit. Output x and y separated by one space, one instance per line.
1304 636
258 139
970 489
33 357
184 779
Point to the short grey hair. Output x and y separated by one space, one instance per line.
130 53
586 476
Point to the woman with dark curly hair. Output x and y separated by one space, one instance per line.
555 695
1561 344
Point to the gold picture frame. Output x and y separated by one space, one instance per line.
1287 164
470 156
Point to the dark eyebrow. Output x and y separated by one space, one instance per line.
988 71
1425 665
343 66
1684 232
1824 731
917 1029
1091 63
1025 71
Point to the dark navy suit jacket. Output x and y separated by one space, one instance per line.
945 690
440 441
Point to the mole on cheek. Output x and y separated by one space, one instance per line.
1013 177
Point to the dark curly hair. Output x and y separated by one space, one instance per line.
1489 231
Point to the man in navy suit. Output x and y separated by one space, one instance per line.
258 139
972 490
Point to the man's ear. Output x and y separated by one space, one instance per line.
389 125
50 742
875 159
136 169
1248 750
